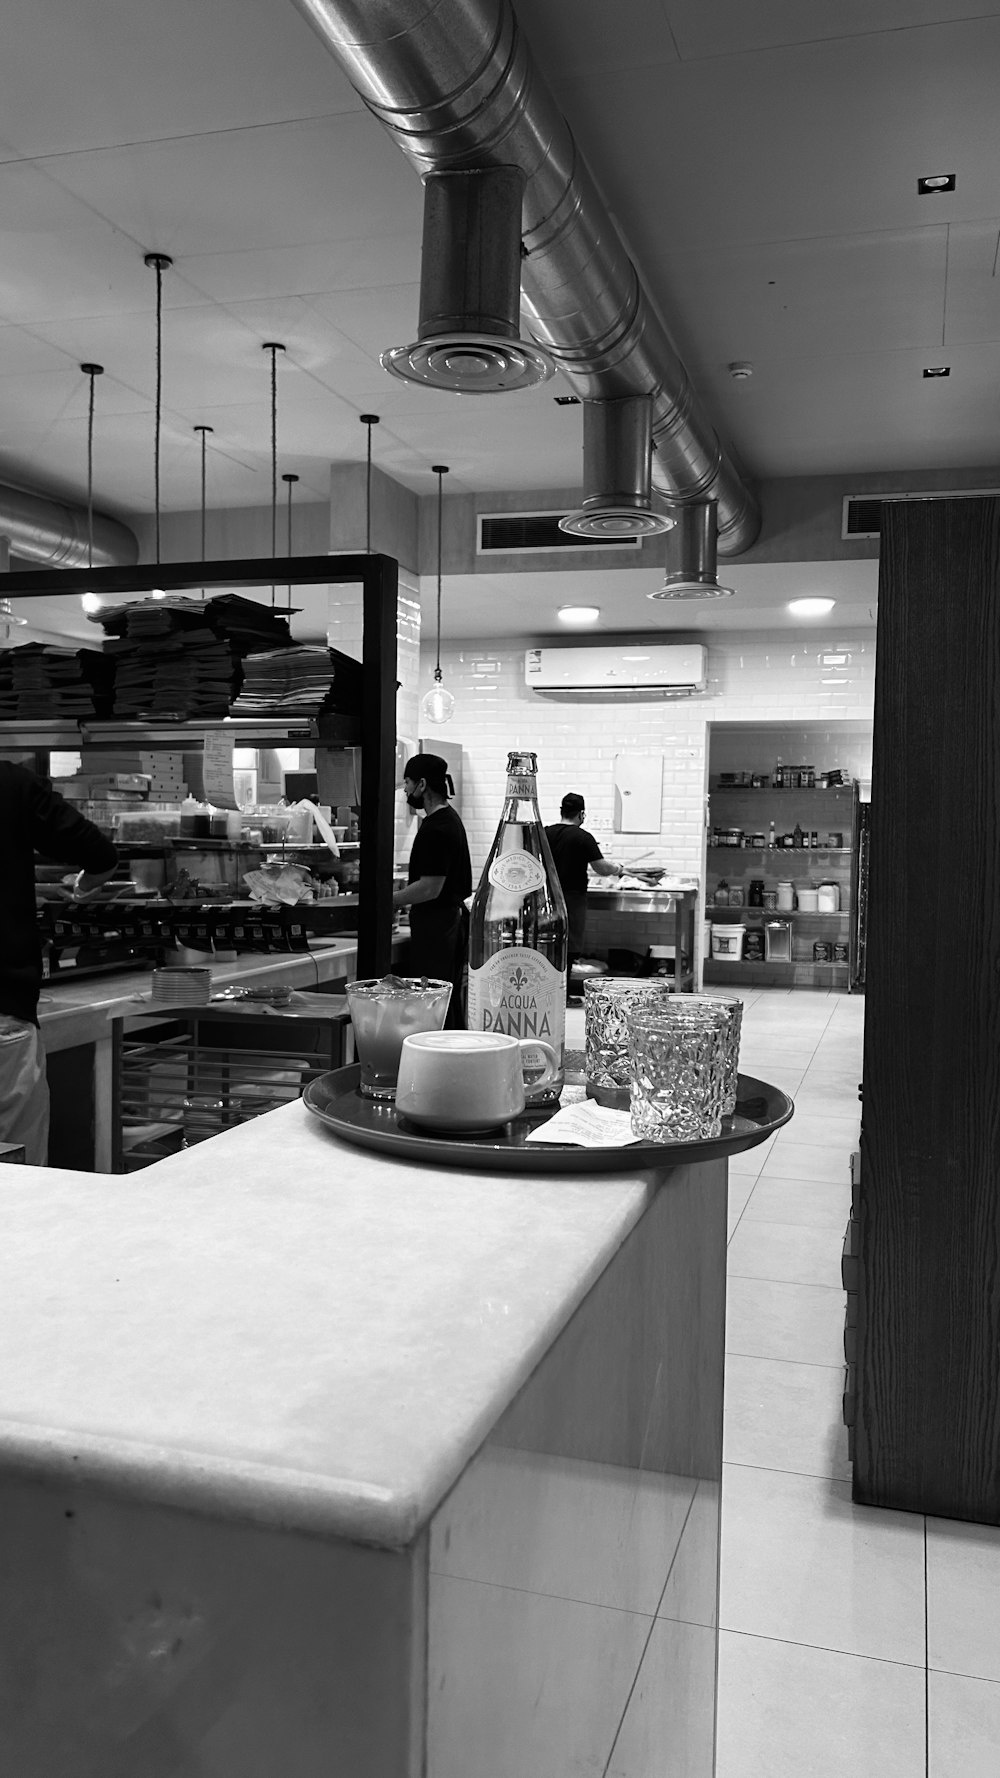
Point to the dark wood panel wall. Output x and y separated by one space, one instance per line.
928 1414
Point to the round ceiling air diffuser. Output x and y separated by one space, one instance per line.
609 522
470 289
469 363
617 473
691 554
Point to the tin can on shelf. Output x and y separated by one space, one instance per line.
753 945
841 952
821 951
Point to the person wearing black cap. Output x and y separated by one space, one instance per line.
574 850
440 878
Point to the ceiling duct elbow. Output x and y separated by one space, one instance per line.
691 556
470 289
46 531
617 470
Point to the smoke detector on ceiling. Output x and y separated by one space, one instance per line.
740 370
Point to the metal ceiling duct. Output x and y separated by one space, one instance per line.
617 467
43 530
470 289
691 563
456 86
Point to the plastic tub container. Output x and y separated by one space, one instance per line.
786 898
829 898
808 901
727 941
147 825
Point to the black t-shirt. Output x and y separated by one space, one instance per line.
34 818
440 849
573 848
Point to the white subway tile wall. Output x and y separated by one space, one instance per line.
754 676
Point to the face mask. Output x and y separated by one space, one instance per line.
415 799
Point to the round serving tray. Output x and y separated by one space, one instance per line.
334 1099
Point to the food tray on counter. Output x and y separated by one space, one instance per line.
335 1100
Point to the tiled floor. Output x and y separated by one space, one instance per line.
853 1640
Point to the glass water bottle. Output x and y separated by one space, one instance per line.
518 933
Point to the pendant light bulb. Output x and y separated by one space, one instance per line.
438 705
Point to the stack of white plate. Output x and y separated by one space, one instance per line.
181 985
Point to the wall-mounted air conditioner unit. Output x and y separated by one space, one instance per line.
625 670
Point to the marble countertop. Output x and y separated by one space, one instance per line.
279 1327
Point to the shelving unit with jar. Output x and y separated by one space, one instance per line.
770 850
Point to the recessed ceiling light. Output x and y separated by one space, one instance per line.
938 370
740 370
90 602
810 607
935 183
579 615
158 593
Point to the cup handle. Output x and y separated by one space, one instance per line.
533 1051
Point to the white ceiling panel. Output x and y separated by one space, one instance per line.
118 71
211 355
365 262
728 27
873 411
859 293
594 35
799 143
973 311
286 185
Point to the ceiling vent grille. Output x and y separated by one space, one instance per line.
862 513
536 533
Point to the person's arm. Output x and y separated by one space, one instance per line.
424 889
61 833
605 868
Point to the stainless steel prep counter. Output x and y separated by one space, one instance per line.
76 1025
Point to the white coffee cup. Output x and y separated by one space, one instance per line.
468 1081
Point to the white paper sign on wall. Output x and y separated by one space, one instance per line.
638 785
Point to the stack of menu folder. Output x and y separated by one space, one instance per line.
302 681
182 659
43 682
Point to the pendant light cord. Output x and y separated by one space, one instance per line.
274 347
440 470
160 263
204 431
368 420
290 480
93 371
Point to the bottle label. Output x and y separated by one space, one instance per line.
519 992
517 872
523 787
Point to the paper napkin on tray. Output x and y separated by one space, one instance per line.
588 1125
